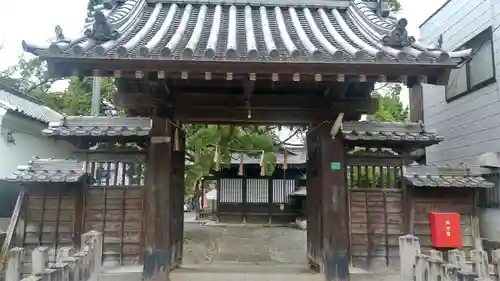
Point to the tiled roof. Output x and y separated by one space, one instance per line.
49 170
446 176
12 100
266 30
98 126
301 191
296 156
358 131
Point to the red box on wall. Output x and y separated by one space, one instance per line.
446 230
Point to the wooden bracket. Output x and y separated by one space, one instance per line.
336 126
160 139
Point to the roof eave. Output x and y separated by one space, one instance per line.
23 115
433 73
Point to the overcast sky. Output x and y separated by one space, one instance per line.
34 20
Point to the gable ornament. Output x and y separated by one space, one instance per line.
101 30
398 37
60 35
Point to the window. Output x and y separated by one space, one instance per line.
478 71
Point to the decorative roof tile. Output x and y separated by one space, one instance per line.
15 101
99 126
358 131
446 176
250 31
49 170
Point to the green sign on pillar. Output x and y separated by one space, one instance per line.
334 166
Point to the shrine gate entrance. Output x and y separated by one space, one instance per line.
253 63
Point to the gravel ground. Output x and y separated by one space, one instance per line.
204 244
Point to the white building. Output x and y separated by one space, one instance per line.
22 119
466 112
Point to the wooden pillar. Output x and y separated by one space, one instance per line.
270 199
218 187
244 198
158 222
314 201
408 213
334 208
177 229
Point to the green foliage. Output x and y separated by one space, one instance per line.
30 76
371 177
210 147
92 3
390 107
395 5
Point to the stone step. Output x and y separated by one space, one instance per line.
237 272
247 272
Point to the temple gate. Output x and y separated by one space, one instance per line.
246 63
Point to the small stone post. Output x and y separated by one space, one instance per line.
457 258
14 264
435 265
422 268
40 260
65 252
409 248
480 263
495 256
93 241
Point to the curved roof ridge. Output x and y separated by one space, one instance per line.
374 19
333 32
385 27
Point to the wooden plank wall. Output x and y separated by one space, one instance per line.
49 220
118 213
444 200
376 222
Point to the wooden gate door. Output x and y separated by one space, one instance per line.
113 204
376 209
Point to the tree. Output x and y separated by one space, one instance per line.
30 76
210 148
92 4
390 107
395 5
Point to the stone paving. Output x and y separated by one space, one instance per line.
244 244
241 253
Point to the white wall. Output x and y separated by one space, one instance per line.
471 123
29 142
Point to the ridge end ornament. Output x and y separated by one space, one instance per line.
398 36
101 30
60 35
383 8
109 4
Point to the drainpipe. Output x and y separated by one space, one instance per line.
96 95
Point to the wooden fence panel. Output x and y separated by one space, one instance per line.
49 221
376 222
113 205
118 214
429 200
